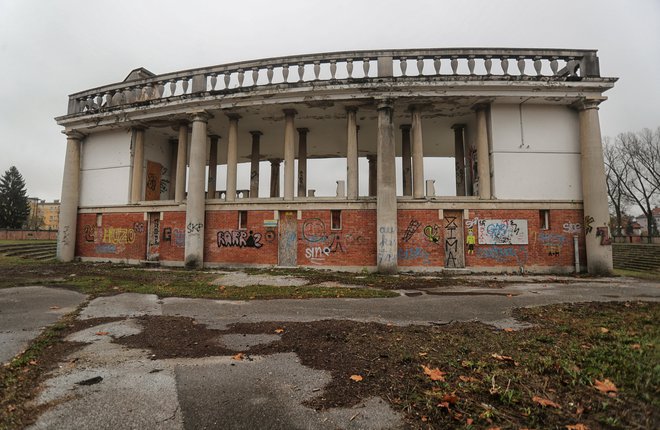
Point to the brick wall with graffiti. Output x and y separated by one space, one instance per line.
351 245
119 236
516 238
224 242
172 236
420 238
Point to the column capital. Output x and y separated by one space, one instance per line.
405 126
256 133
73 134
303 130
290 112
586 104
351 109
233 116
480 106
384 104
202 116
275 160
214 137
456 127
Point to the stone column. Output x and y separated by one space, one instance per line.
195 208
181 163
137 191
232 157
302 162
372 174
254 164
459 156
386 206
289 153
483 158
406 160
173 162
213 167
275 177
352 175
66 237
594 191
417 154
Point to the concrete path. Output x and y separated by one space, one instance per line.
138 391
25 311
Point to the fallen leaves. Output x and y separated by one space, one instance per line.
504 358
577 426
604 330
545 402
102 333
606 387
435 374
356 378
279 330
238 357
464 378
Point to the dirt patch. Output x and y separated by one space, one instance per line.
488 377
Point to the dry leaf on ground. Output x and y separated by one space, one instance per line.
468 378
237 357
102 333
604 330
279 330
356 378
577 426
545 402
435 374
605 386
505 358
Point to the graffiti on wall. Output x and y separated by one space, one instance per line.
321 244
194 227
572 228
552 243
314 230
118 235
412 228
604 234
588 224
386 243
89 233
179 237
503 232
432 233
414 253
451 241
504 254
239 238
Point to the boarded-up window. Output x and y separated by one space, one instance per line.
242 220
335 222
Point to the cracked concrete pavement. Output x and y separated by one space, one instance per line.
267 392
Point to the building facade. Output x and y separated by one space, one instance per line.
43 215
520 127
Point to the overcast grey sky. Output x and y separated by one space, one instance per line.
49 49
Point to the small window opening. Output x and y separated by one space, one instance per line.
99 220
335 220
242 220
544 216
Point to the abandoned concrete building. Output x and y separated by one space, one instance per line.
484 159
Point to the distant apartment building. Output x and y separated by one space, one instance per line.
43 215
643 222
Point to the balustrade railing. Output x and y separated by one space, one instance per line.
357 66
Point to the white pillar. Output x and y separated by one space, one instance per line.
594 191
138 166
213 167
66 238
459 158
417 154
289 153
275 177
372 174
232 157
254 164
195 208
181 163
352 177
302 162
483 158
386 205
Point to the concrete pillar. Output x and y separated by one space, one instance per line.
386 207
417 154
459 157
232 157
213 168
289 153
302 162
594 191
181 163
173 162
275 177
372 174
195 207
137 190
483 158
254 164
66 237
406 160
352 175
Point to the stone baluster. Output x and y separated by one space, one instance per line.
349 67
471 64
366 62
227 79
172 87
285 73
420 65
301 71
184 85
537 65
214 81
454 64
521 65
333 69
269 74
437 64
240 77
108 98
317 69
488 63
255 75
403 63
554 65
505 65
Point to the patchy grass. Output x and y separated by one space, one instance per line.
488 378
650 276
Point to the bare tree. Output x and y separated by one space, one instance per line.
615 174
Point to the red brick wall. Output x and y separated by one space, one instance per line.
120 235
552 247
233 245
352 245
173 249
415 248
